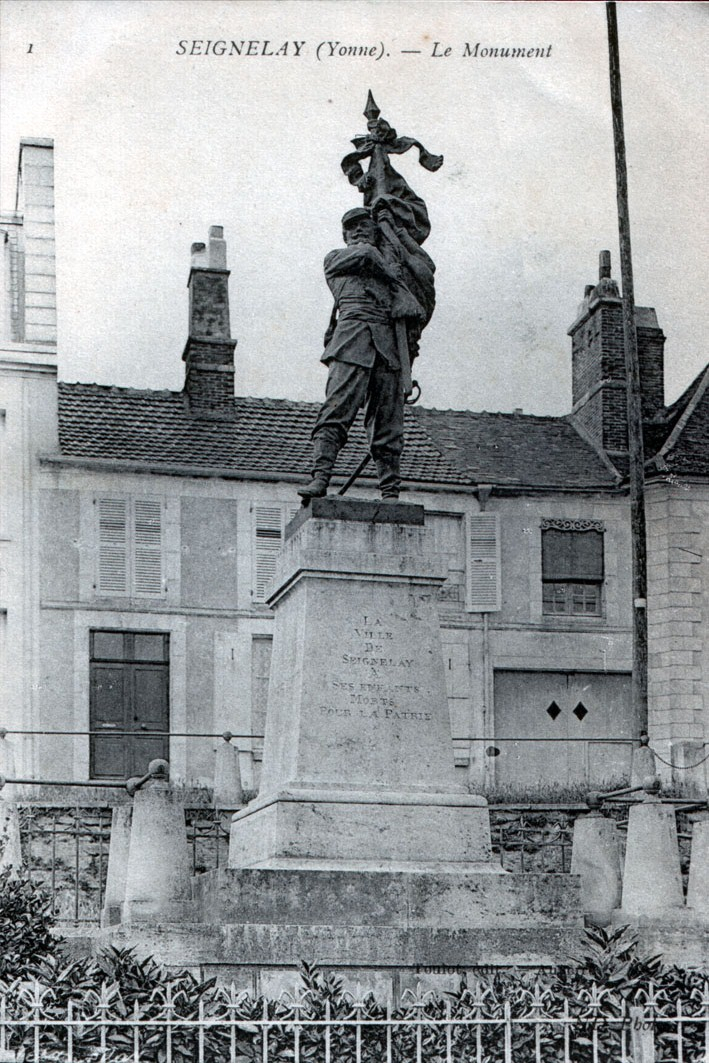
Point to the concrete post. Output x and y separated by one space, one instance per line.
642 764
158 875
652 880
697 890
595 856
10 848
228 791
117 865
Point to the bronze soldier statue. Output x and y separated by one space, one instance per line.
382 284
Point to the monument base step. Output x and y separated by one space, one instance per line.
458 900
258 925
254 954
358 829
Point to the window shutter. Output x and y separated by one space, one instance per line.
588 555
557 559
112 546
268 526
572 555
483 562
147 548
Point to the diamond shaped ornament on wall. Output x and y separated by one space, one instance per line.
553 710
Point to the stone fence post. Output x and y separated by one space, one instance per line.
228 791
698 887
652 879
642 764
10 848
117 870
158 875
595 857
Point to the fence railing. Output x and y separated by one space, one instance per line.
65 851
235 1028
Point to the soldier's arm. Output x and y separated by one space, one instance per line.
359 259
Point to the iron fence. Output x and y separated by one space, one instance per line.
65 851
474 1027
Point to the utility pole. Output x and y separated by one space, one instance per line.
636 456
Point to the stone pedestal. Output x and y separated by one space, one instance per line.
358 765
362 852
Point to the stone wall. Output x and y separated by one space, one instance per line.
678 610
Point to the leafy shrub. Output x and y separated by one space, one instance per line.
25 925
607 977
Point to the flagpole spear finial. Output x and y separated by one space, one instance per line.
371 111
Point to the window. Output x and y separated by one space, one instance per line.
483 562
260 671
572 567
129 683
130 547
269 531
449 544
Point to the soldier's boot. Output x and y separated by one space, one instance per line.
326 451
389 477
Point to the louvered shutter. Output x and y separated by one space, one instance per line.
147 548
268 534
269 528
483 562
112 546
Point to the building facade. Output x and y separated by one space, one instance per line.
139 529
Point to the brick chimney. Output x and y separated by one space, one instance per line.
598 364
209 352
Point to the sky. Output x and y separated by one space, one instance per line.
155 142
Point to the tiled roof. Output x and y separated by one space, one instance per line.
686 448
269 436
513 448
272 437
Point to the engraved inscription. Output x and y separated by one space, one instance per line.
372 680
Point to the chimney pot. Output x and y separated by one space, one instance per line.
604 265
199 255
217 247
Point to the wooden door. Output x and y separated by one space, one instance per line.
551 729
129 695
